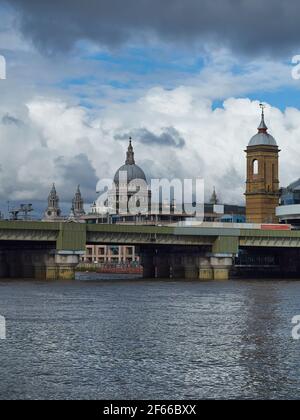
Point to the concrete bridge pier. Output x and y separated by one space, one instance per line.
289 261
38 260
53 265
176 266
162 267
14 263
206 271
4 269
191 267
221 265
66 263
28 271
208 267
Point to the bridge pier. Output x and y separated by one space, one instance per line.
176 266
39 264
14 263
191 267
289 261
162 267
66 263
28 271
4 269
59 265
221 265
206 271
147 262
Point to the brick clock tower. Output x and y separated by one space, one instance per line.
262 191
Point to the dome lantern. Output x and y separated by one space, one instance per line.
133 171
262 138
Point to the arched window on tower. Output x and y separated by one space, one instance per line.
255 167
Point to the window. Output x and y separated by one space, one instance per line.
101 251
255 167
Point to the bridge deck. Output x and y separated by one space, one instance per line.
75 235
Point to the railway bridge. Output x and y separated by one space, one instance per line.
46 250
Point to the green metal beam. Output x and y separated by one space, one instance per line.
226 245
71 237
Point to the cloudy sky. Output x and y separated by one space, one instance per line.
183 77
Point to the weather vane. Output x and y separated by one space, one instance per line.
262 106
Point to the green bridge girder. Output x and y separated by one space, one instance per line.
74 236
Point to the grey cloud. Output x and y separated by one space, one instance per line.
74 171
251 26
8 119
169 137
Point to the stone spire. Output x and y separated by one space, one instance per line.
78 204
262 126
53 199
214 198
53 211
130 154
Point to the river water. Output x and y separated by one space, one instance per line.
100 338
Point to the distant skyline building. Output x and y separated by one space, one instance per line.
289 209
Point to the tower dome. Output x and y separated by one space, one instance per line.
132 170
262 138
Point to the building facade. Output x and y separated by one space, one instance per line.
104 254
289 210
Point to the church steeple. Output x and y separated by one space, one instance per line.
130 154
214 198
77 204
53 199
53 211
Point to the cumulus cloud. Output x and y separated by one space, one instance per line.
250 26
65 144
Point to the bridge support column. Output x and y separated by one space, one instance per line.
28 271
162 266
176 267
14 262
191 267
206 271
221 265
55 265
39 260
66 263
147 261
3 265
